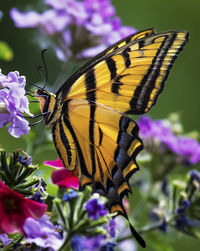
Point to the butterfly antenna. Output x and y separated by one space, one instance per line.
39 70
37 86
36 123
45 67
34 101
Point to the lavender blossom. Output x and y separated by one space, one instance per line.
194 175
72 194
95 207
163 226
112 225
181 219
159 133
188 149
79 243
42 232
91 23
4 239
109 246
25 161
13 103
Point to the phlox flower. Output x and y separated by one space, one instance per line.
158 133
14 209
95 207
4 239
90 22
42 232
13 103
79 243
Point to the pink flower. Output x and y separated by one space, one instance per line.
14 209
126 205
62 177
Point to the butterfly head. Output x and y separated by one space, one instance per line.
48 106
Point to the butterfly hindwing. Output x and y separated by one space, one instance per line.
107 145
130 78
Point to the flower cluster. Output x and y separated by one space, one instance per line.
13 103
79 243
159 133
77 28
95 207
181 219
42 232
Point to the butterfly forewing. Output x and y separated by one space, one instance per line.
130 78
62 92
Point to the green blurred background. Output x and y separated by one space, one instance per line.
182 90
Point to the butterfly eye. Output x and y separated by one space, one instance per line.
41 92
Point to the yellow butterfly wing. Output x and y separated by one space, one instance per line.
103 146
129 77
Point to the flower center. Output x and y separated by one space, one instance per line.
44 236
10 204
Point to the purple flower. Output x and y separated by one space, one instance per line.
90 52
42 232
109 246
24 20
112 225
13 103
158 133
50 21
79 243
163 226
188 149
184 204
72 194
37 197
25 160
155 216
74 25
181 220
194 175
103 7
4 239
127 245
95 207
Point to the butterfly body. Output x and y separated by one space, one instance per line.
92 132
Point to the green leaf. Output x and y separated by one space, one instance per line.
159 241
6 53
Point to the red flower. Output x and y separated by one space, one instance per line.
14 209
62 177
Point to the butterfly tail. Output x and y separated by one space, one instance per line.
139 239
135 234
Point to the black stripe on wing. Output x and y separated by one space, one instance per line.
90 83
65 88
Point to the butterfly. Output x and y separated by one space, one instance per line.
92 132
